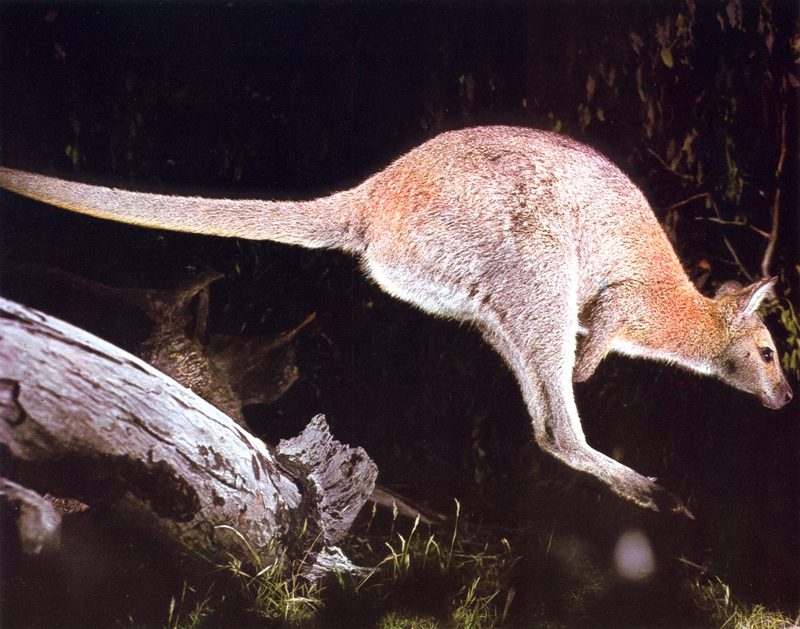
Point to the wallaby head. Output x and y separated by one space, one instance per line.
748 359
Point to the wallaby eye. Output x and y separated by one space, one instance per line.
766 353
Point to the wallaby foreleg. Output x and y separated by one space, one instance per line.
600 323
591 350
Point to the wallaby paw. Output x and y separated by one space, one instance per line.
667 502
647 493
623 481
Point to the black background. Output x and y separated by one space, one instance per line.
296 99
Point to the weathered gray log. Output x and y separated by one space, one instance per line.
80 417
230 372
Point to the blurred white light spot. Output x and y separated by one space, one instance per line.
633 556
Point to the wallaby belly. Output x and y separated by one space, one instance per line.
441 298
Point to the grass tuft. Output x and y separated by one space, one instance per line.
184 614
461 581
274 592
716 599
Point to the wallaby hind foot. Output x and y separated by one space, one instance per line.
631 485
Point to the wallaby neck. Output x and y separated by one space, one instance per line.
676 324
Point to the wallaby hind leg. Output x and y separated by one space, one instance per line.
543 367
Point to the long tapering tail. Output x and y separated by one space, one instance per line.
328 222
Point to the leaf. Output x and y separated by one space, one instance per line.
666 57
640 84
591 84
636 42
734 11
611 76
584 115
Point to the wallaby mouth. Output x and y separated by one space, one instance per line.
779 397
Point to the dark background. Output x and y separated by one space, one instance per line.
296 99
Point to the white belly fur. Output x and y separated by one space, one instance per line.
432 297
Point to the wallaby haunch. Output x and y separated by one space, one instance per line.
539 241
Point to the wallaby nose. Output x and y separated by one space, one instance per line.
786 395
778 397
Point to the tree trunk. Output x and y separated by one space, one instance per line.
80 417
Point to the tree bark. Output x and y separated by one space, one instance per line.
80 417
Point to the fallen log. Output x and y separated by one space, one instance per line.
81 418
230 372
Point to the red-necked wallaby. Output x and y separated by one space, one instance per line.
539 241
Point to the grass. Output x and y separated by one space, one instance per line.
420 580
477 610
183 614
473 576
758 617
467 578
276 596
399 620
425 578
273 592
726 612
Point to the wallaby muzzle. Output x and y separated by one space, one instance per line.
778 397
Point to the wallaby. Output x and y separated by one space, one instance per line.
536 239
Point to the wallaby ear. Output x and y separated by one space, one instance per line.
731 287
752 296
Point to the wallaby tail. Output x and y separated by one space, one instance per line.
329 222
